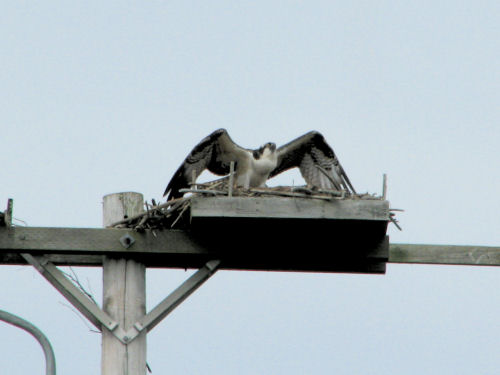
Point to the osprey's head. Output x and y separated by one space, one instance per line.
265 150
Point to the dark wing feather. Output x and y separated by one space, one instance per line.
210 153
316 160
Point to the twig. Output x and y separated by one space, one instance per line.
395 222
335 193
74 278
80 317
20 220
203 191
216 183
289 194
302 189
141 224
155 208
180 215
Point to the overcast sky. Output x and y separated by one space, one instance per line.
102 97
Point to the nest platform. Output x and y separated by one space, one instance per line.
280 228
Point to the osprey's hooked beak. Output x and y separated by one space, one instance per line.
270 146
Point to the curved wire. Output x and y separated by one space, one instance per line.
50 360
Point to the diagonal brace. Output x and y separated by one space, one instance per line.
165 307
100 318
74 295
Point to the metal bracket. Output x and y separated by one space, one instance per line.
127 240
100 318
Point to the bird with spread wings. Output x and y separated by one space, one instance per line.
315 159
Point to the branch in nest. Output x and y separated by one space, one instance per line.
288 194
180 214
203 191
154 208
394 221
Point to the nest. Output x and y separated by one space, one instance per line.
175 214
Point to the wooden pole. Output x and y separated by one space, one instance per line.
124 295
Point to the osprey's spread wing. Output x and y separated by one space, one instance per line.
215 153
316 160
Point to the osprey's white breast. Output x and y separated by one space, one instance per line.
255 172
262 167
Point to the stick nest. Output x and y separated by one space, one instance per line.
175 213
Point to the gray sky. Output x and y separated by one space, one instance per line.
103 97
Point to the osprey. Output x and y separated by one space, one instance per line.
310 153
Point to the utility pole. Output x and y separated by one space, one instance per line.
360 246
124 295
